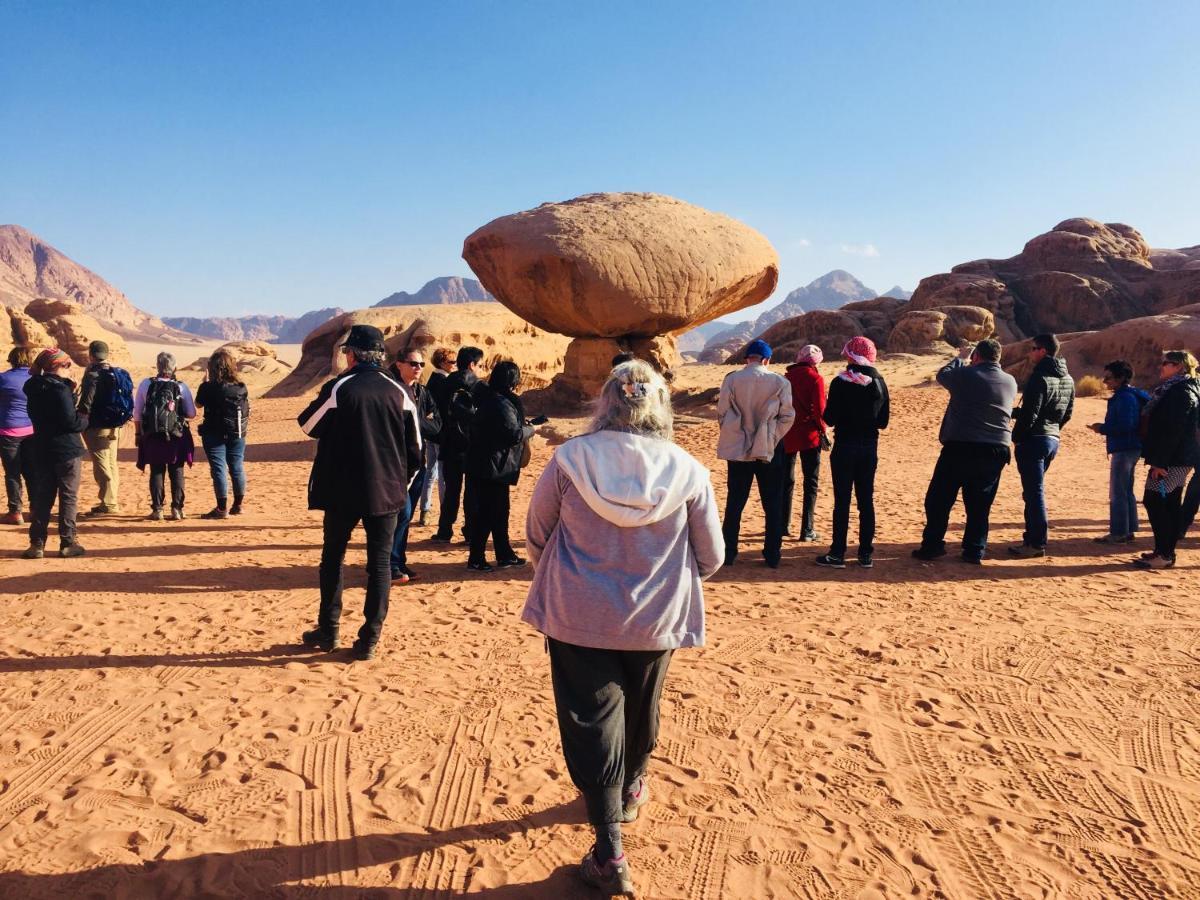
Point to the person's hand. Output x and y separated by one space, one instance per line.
965 351
1157 473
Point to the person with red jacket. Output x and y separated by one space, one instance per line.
805 437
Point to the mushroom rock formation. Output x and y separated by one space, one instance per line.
493 329
60 323
615 271
256 362
938 330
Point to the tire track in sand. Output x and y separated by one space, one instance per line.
323 813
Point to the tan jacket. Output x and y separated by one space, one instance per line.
755 412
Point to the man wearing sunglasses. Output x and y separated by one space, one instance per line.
407 370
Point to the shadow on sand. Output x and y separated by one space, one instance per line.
277 655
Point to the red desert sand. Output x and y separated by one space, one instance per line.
1024 729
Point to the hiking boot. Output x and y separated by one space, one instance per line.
1026 551
1155 562
69 551
236 509
634 796
483 566
513 563
176 513
611 878
362 652
215 513
155 515
809 537
439 539
13 518
866 562
928 554
421 523
830 562
320 638
972 560
99 512
409 572
399 576
1114 539
35 551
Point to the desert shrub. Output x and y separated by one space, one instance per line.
1088 386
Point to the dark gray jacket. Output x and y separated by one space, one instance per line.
981 402
1047 403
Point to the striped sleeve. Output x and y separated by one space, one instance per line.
318 411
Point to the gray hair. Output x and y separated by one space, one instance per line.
165 363
376 358
635 398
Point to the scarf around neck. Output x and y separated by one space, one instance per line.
1160 390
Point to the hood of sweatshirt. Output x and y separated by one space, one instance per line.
628 479
1053 366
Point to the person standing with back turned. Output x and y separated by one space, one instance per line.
805 438
755 412
454 441
106 400
368 450
975 449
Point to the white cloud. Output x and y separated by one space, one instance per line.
870 251
801 243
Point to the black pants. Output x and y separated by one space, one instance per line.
769 476
454 475
16 454
380 531
976 472
852 466
488 515
810 470
1165 519
607 704
54 480
158 476
1191 505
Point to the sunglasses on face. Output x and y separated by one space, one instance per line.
413 363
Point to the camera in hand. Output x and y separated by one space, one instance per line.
538 420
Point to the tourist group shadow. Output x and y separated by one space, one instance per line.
276 655
272 872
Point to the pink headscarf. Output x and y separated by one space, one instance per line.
811 354
860 351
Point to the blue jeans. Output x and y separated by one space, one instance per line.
1034 455
226 454
1122 504
433 473
400 540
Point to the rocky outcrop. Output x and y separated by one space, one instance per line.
31 269
1082 275
832 290
945 328
45 323
449 289
627 267
489 326
1140 342
257 364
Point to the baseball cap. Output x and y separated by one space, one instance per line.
364 337
758 347
98 350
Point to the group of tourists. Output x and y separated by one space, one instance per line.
48 426
768 419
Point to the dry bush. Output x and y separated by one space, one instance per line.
1089 386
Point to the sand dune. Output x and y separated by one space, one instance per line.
1027 729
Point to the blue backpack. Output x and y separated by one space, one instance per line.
112 406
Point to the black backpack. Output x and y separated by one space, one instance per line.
112 405
234 410
161 415
460 416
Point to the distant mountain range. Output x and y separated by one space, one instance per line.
447 289
30 268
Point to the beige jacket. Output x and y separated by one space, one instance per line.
755 412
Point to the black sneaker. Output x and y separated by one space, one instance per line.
480 566
515 562
362 652
35 551
831 562
439 539
772 560
972 560
321 639
69 551
409 572
928 554
866 562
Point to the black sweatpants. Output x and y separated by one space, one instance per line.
380 531
453 477
488 514
607 703
16 454
769 476
53 480
810 470
158 485
1165 520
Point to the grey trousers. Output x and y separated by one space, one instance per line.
53 480
607 703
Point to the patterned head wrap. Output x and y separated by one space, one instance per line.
860 350
811 354
50 358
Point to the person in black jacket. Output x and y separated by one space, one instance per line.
57 452
407 370
453 442
443 365
1046 406
226 405
1171 448
858 408
498 435
368 447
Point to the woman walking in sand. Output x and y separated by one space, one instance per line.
226 405
622 528
161 409
1171 449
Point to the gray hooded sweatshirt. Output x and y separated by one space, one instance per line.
622 529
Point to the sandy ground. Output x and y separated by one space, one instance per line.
1024 729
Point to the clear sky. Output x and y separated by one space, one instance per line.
224 158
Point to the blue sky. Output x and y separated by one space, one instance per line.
219 158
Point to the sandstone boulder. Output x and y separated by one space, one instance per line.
500 334
44 323
257 364
938 330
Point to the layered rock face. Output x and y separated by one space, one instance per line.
489 326
257 364
623 268
273 329
1082 275
48 323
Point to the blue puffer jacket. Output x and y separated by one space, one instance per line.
1120 428
13 411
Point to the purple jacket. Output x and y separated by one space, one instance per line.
14 414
